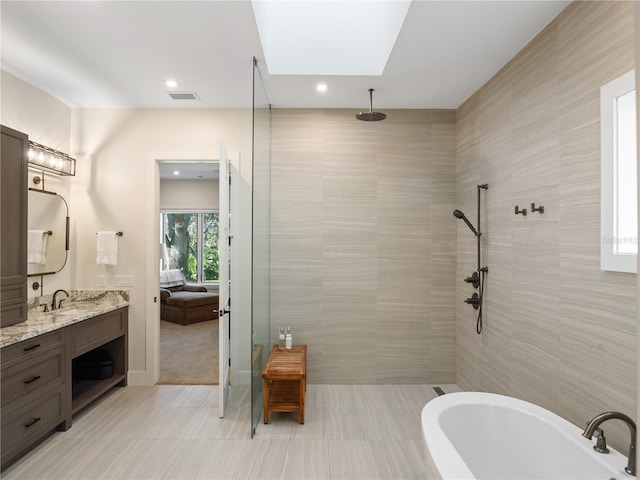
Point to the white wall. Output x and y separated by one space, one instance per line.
194 194
112 192
114 149
46 120
28 109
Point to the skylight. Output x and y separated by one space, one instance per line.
316 37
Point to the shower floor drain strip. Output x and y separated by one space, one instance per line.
439 391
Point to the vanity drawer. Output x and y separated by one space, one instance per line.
26 426
94 332
30 378
22 351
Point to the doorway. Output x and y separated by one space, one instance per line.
189 272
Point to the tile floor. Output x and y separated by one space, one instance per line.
174 432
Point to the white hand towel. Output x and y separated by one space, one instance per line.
107 246
37 247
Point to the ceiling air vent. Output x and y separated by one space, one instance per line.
184 95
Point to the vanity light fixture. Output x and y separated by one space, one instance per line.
51 160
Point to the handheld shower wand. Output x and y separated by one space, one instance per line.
458 214
477 278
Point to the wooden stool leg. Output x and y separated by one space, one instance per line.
302 388
265 398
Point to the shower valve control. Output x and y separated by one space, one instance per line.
474 279
473 300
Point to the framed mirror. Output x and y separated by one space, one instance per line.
48 236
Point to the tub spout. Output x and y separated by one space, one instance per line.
593 425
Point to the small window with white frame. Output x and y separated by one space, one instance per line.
619 175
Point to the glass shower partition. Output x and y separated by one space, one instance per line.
261 237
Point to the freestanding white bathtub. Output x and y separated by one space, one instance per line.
472 435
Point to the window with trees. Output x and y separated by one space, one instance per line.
190 244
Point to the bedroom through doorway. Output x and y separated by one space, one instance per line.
189 325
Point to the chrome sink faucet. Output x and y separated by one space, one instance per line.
54 305
593 425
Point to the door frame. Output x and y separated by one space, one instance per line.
152 331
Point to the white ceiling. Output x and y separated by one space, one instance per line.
119 53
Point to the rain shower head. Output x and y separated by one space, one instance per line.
458 214
370 116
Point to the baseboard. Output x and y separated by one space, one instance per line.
242 377
140 377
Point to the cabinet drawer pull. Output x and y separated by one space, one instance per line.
31 347
32 422
32 379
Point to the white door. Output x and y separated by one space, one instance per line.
223 262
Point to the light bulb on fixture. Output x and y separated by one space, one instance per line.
51 160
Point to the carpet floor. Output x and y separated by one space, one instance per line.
189 353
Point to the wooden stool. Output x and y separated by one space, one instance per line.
285 381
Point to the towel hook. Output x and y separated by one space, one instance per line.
540 209
523 211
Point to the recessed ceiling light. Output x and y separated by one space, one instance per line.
321 87
171 83
176 172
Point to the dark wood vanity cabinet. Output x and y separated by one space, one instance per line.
34 392
106 332
14 147
39 392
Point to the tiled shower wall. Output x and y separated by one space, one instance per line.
558 331
363 243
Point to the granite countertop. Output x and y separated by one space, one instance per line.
81 305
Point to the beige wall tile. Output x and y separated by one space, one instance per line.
367 263
369 252
558 331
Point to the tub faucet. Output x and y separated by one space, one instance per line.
54 305
603 417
